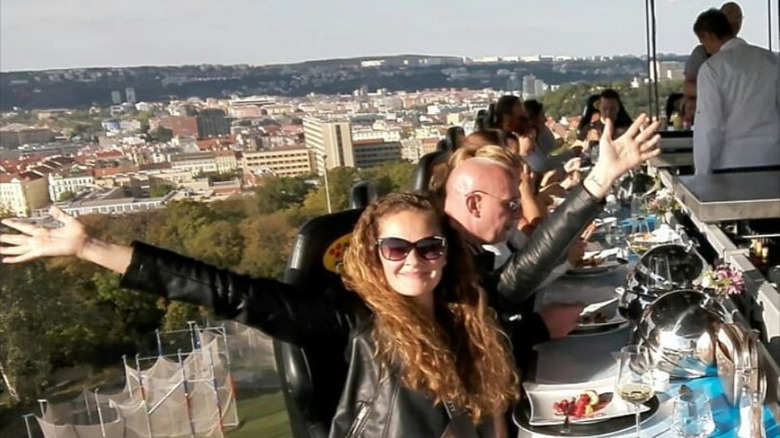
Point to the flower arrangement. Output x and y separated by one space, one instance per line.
722 279
663 202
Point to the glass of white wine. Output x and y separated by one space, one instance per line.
635 379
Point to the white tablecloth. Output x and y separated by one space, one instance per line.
585 358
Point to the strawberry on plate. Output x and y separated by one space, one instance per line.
584 405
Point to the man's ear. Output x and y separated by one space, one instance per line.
472 204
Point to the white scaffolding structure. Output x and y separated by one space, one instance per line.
179 395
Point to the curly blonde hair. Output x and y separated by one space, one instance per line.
462 358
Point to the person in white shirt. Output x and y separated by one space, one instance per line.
734 14
738 101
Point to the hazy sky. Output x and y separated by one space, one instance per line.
39 34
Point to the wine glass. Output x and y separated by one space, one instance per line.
635 378
659 276
638 214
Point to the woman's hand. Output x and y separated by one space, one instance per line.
71 239
35 241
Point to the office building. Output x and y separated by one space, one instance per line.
330 142
371 153
292 161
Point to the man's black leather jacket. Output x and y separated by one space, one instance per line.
514 282
511 286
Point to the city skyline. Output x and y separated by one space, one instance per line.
51 34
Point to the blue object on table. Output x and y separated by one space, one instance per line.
628 223
726 416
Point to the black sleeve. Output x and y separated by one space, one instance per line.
532 263
278 309
524 334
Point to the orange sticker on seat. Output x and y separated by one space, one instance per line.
334 255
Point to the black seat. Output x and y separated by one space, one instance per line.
363 193
426 168
313 377
453 137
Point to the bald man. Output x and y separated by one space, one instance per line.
733 12
482 196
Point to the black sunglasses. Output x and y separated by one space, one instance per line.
395 249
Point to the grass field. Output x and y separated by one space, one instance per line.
262 414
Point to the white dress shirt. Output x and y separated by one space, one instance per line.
695 60
737 121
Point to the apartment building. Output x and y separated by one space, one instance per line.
17 134
226 161
291 161
412 149
69 180
109 202
194 162
22 193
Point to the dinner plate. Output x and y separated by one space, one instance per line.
601 268
615 322
597 331
521 415
542 398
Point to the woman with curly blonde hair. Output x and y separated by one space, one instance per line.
431 322
426 357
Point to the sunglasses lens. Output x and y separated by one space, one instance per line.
430 248
395 249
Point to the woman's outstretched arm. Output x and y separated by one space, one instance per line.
280 310
71 239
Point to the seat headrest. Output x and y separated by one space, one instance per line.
319 247
452 136
363 193
425 169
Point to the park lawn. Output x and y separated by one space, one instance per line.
262 414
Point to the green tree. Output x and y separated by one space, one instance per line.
180 221
66 196
133 312
340 182
177 314
219 243
160 190
32 306
391 177
161 134
237 207
279 193
268 239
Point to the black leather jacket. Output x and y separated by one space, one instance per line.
514 282
371 405
511 286
374 404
